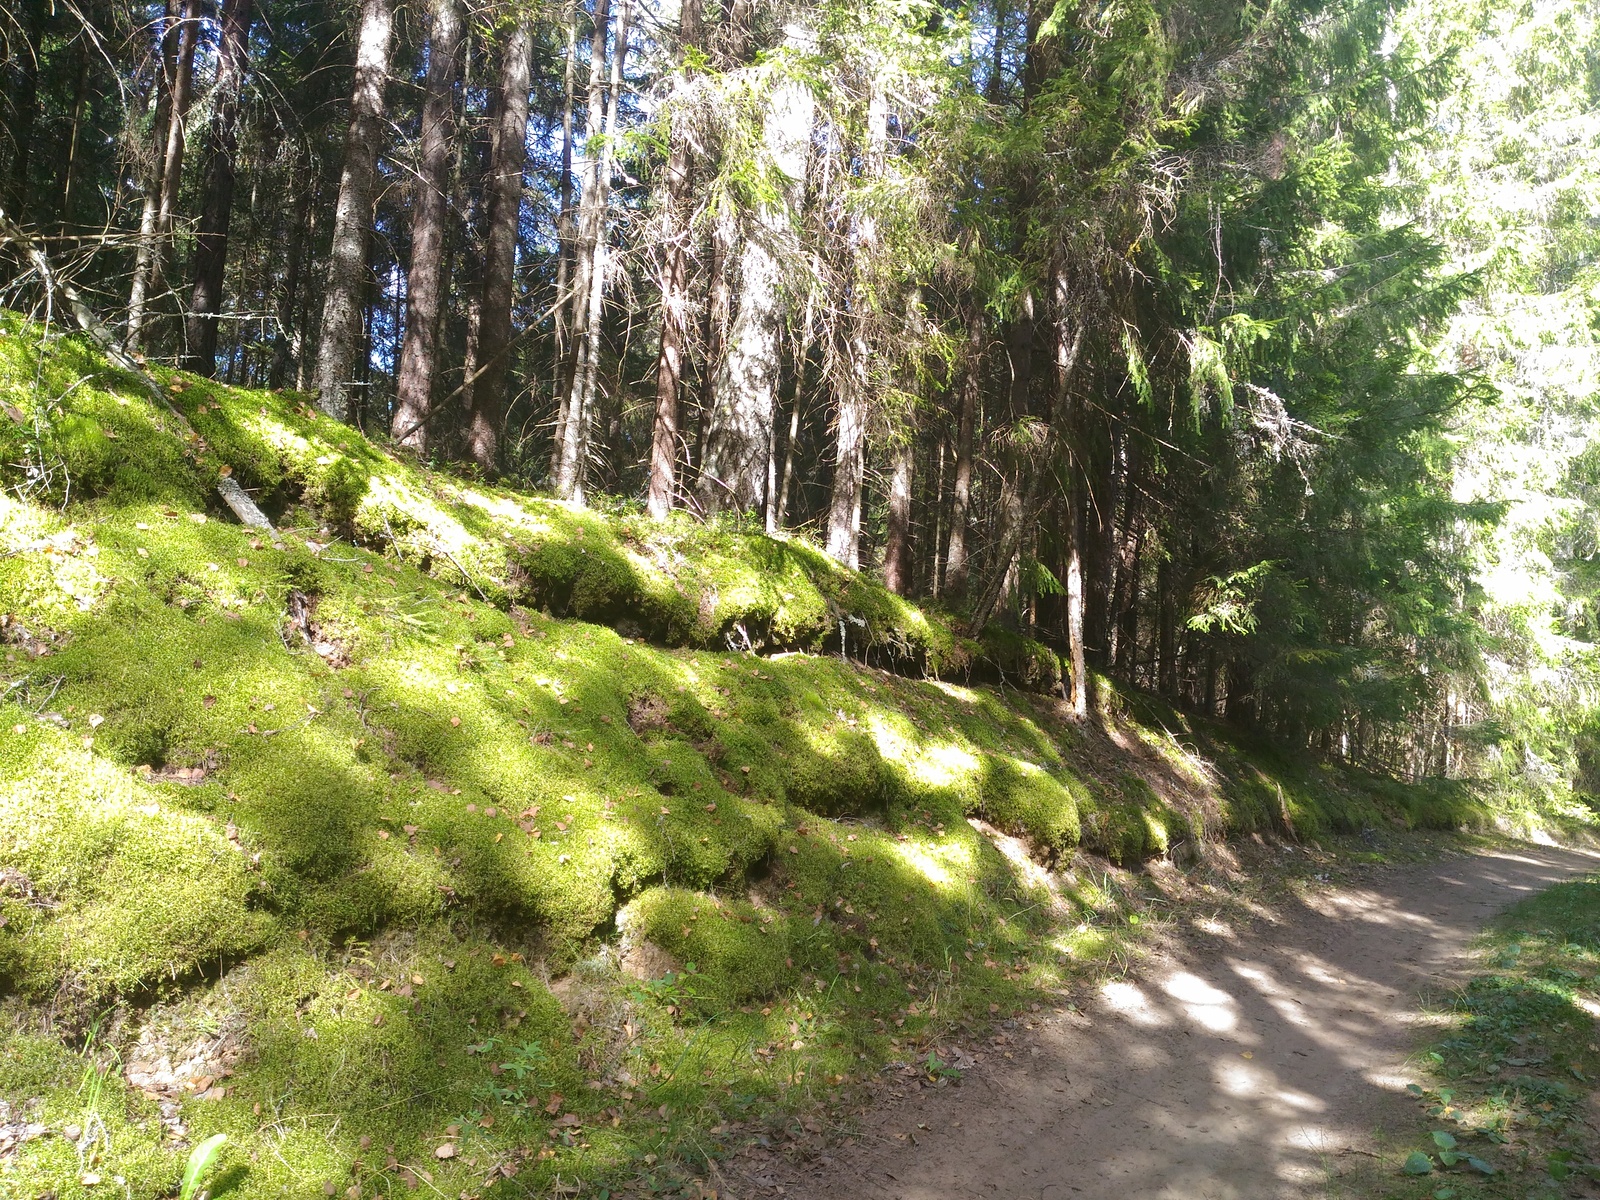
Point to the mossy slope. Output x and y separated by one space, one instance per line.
359 792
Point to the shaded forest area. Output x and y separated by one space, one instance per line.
1134 328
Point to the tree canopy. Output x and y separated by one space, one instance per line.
1243 352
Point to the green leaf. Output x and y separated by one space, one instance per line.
201 1159
1477 1164
1418 1163
1414 1089
1443 1140
1450 1158
1557 1165
1444 1193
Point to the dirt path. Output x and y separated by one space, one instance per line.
1246 1063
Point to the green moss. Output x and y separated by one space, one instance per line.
1023 797
733 951
1128 822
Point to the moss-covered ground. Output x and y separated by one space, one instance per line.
451 837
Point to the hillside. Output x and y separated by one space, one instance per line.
447 833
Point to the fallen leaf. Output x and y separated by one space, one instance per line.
448 1150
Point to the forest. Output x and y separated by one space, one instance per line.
1149 333
1005 431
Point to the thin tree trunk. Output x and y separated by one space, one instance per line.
844 513
419 352
565 234
956 565
181 36
80 96
1068 342
138 292
507 156
897 544
591 220
788 449
340 336
674 292
222 144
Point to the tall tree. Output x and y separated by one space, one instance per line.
222 144
850 455
508 152
344 301
674 283
182 36
419 352
572 421
739 426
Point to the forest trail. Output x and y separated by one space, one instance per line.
1239 1063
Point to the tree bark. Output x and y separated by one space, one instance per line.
178 51
844 512
897 544
1068 341
739 426
69 170
508 154
564 227
955 564
342 306
571 450
674 293
419 351
222 144
167 52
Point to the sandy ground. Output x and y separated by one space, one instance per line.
1252 1062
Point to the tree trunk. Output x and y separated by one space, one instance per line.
849 461
571 451
674 292
897 544
955 564
565 237
340 337
1078 694
508 155
179 52
80 96
739 426
1068 342
1166 671
222 143
844 513
419 352
167 49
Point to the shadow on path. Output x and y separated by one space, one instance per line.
1243 1063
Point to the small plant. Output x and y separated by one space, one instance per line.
938 1070
201 1159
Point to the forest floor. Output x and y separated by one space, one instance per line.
1273 1056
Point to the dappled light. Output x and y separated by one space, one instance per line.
1246 1066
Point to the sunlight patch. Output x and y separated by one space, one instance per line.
1127 1000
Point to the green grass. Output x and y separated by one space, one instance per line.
1508 1088
400 843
